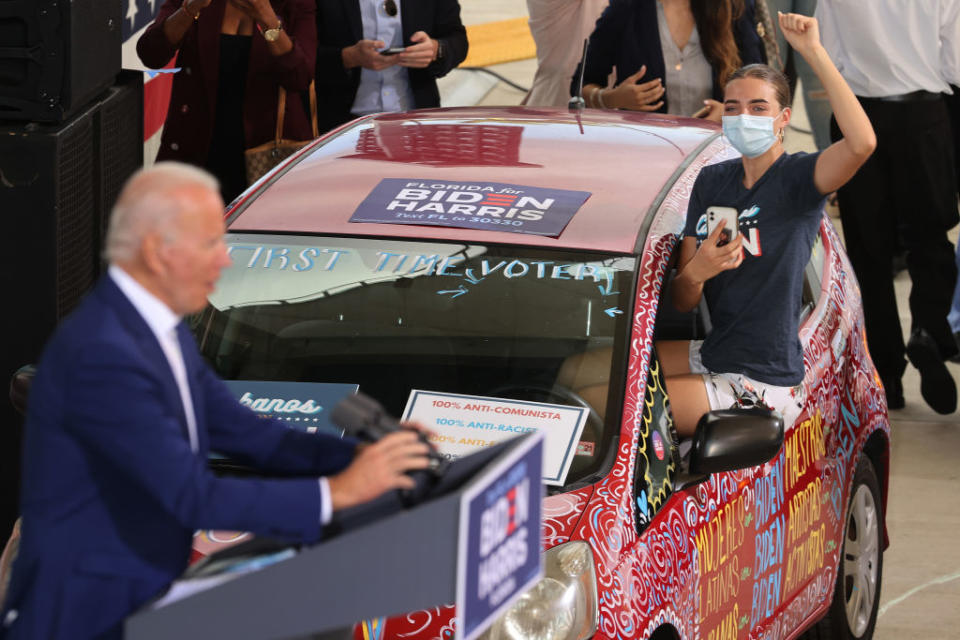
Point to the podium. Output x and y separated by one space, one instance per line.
385 560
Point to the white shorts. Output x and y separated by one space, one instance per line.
735 390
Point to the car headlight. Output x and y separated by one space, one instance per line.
562 606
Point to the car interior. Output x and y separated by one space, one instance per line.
513 338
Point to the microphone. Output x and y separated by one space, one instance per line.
364 418
577 103
361 416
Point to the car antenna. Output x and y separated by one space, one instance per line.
576 102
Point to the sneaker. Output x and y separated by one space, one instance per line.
936 384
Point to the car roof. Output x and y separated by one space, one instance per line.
627 161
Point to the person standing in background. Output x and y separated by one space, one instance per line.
953 104
900 58
670 56
233 56
768 35
356 75
559 28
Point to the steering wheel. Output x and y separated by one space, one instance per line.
537 392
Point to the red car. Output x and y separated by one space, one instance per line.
353 266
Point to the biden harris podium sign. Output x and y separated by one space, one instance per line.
500 533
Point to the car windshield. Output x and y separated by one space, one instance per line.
477 342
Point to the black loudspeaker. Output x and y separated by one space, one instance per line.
56 55
57 186
50 209
47 212
119 133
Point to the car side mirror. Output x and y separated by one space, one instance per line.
730 439
20 387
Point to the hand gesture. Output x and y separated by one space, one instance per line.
631 94
366 54
378 468
712 258
260 11
801 32
421 53
194 7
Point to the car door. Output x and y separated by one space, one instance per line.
791 568
758 535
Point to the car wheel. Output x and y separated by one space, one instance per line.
853 612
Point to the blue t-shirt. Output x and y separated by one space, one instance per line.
755 308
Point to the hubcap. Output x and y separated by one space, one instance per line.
861 552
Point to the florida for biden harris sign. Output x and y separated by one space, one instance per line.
492 206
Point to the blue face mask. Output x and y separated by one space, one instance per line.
750 135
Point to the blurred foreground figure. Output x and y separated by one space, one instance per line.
123 413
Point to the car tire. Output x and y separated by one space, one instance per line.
851 617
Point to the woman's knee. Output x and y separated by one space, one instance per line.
688 402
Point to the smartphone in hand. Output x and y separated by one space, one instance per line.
727 218
392 51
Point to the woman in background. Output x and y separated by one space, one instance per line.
670 56
559 28
232 55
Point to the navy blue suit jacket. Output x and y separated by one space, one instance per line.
627 37
112 493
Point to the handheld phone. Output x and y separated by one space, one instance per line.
392 51
725 217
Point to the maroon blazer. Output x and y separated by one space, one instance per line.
189 124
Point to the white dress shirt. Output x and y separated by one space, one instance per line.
389 89
892 47
163 323
689 77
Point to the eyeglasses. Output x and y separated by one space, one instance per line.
390 8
